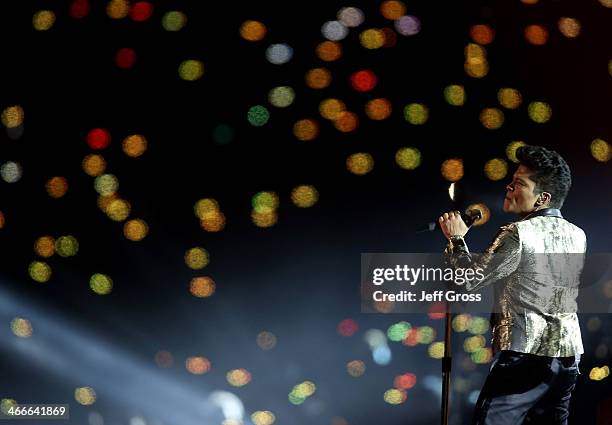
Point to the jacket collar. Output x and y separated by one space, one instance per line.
546 212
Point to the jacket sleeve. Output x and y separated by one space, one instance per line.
499 260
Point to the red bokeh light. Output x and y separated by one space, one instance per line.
405 381
141 11
348 327
79 9
98 138
125 58
364 80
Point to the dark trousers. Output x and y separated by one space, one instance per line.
527 389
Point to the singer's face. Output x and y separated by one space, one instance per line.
520 197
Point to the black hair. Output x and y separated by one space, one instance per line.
550 172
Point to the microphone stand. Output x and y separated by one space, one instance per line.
446 365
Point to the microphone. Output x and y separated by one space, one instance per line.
469 217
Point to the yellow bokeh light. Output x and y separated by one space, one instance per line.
43 20
264 202
304 389
213 221
118 210
39 271
304 196
134 145
174 20
264 417
331 108
306 129
6 404
455 95
360 163
477 68
205 206
393 9
67 246
539 112
436 350
94 165
496 169
474 343
378 109
318 78
105 200
372 38
191 70
252 30
408 158
135 230
474 51
45 246
329 51
197 365
346 122
452 169
21 327
106 184
482 356
356 368
266 340
85 396
485 212
197 258
416 113
601 150
238 377
57 187
264 219
606 3
202 286
101 284
118 9
509 98
394 396
599 373
12 116
491 118
569 27
511 150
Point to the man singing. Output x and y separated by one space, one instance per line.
535 327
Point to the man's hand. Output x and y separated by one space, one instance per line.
452 224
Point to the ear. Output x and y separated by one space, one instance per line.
544 198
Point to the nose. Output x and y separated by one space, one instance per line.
509 187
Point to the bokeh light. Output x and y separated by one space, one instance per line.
197 365
238 377
304 196
436 350
476 64
43 20
258 115
67 246
455 95
264 219
364 80
482 356
57 187
329 51
279 54
491 118
191 70
539 112
408 158
569 27
281 96
265 201
134 145
11 172
356 368
125 58
331 108
416 113
98 138
94 165
164 359
13 116
346 122
536 34
511 150
141 11
408 25
21 327
351 16
106 184
496 169
393 9
264 417
45 246
347 327
482 34
101 284
174 20
601 150
452 169
306 129
39 271
205 206
202 287
253 30
213 221
474 343
509 98
398 331
334 30
378 109
599 373
606 3
372 38
394 396
318 78
360 163
405 381
2 220
390 37
197 258
266 340
118 9
223 134
79 9
85 396
478 325
135 230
